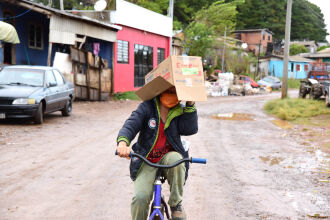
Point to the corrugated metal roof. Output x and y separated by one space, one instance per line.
35 6
295 58
253 30
300 59
64 31
321 54
326 50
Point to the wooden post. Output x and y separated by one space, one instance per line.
258 61
224 51
88 79
50 45
100 84
286 49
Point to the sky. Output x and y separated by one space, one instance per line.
325 8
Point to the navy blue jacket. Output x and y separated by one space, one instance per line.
146 118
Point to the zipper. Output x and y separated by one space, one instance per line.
158 111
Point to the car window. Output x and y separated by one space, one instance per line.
58 77
267 79
20 76
50 78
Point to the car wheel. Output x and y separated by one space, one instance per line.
39 118
327 101
67 111
303 91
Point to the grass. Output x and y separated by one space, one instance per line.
293 83
292 109
125 96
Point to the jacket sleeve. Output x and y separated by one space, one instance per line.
188 121
132 125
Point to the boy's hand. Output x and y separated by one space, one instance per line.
123 150
190 103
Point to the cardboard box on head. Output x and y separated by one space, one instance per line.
183 72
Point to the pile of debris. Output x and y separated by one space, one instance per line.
225 84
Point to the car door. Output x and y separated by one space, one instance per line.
62 89
51 92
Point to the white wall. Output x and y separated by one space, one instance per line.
134 16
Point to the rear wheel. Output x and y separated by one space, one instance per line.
67 111
39 118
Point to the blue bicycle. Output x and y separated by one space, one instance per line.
159 205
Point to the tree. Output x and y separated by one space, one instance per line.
254 14
198 39
208 24
307 22
307 19
296 49
70 4
219 15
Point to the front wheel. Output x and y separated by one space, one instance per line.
67 111
39 118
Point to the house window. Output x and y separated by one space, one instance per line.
292 67
263 37
35 34
143 63
268 37
298 67
160 55
122 51
306 67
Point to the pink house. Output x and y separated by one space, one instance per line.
141 45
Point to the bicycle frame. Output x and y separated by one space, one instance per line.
158 184
157 201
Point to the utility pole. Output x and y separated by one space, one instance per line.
61 5
286 49
258 61
170 14
223 51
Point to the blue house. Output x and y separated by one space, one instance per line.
298 66
43 31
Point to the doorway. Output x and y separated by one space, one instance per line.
8 53
9 49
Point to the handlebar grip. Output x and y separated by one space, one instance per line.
130 154
198 160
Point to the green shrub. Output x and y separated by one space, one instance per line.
125 96
291 109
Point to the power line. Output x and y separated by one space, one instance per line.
13 17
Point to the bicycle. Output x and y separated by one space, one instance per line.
159 205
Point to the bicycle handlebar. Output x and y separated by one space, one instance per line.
191 160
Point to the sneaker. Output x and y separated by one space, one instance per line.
178 212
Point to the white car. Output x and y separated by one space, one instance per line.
270 81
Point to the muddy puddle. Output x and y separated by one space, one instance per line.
271 160
282 124
234 117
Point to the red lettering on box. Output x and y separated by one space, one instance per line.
167 75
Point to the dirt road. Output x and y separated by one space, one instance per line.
66 168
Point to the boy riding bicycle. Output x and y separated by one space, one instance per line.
160 123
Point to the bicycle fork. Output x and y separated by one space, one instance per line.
157 201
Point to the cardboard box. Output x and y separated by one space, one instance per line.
183 72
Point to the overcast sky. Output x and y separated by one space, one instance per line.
325 8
